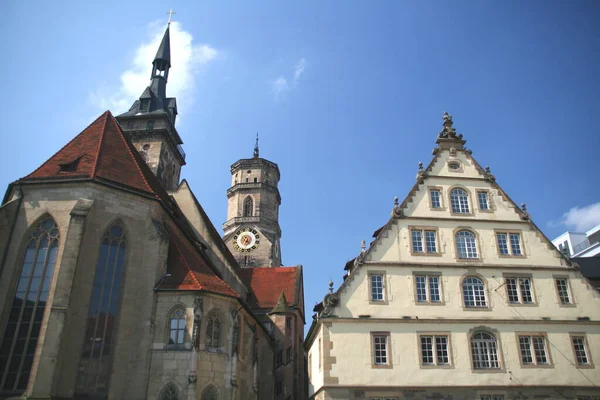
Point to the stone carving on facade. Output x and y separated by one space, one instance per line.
197 320
422 174
488 175
397 212
330 302
360 259
448 132
160 231
524 214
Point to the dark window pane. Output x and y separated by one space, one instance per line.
23 380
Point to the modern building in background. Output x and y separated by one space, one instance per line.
579 244
115 284
459 296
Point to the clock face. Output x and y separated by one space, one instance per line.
245 240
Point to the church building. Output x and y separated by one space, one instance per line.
115 284
459 296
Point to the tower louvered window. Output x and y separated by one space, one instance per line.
17 348
102 315
248 207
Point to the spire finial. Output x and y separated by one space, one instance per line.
330 286
171 12
256 146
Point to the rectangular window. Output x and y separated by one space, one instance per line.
434 350
492 397
562 286
150 125
428 288
519 290
435 198
533 350
509 243
380 350
581 351
483 201
424 241
376 287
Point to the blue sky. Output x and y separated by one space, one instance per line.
347 98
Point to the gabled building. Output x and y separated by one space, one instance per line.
459 296
114 283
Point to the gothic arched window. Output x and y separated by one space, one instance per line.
466 244
210 393
103 311
213 331
248 207
17 348
484 351
177 326
459 200
169 392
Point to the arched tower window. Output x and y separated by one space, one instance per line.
103 311
169 392
248 207
210 393
213 331
177 327
20 338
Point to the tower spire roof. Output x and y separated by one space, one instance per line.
164 50
256 146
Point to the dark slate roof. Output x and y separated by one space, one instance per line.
164 51
589 266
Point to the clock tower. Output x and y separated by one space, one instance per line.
252 229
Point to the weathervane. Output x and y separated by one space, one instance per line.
171 12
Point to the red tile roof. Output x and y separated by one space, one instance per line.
189 270
101 152
268 283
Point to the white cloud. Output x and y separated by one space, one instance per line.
281 87
187 59
580 219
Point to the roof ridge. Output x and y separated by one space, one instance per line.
103 133
62 148
128 145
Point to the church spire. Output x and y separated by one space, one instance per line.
256 146
160 66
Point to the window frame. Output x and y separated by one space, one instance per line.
518 277
488 304
488 196
424 242
440 191
434 335
535 364
457 162
383 289
428 275
477 244
388 350
214 314
509 246
469 202
499 353
170 317
569 291
588 353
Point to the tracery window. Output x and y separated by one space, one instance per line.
102 314
248 207
17 348
170 392
177 327
459 200
466 245
484 351
210 393
213 331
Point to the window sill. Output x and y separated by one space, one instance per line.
430 303
425 254
177 347
488 370
465 308
534 366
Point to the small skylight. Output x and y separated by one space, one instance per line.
69 167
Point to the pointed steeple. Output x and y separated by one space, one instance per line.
256 146
281 306
160 67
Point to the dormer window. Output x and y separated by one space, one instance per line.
145 105
69 167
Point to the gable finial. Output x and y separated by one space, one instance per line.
448 132
363 245
171 12
330 286
256 146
